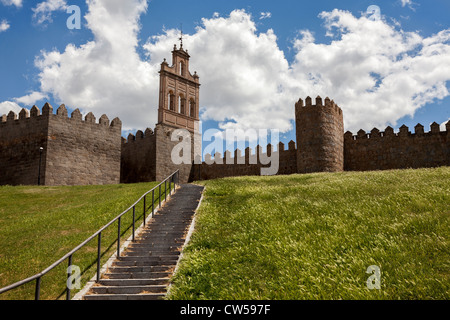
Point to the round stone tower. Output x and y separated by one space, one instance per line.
320 136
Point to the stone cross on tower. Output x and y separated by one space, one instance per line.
181 37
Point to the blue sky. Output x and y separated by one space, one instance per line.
254 58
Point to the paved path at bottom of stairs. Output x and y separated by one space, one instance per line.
144 269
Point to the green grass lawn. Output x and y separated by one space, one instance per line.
313 236
39 225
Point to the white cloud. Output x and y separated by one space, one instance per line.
247 81
43 11
374 84
409 4
242 72
376 72
4 25
7 106
406 2
31 98
106 75
265 15
17 3
442 126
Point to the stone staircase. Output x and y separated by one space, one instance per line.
145 267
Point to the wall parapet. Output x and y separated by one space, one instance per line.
403 132
303 106
61 112
250 155
139 135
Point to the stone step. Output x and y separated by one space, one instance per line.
162 232
149 258
143 253
144 269
153 246
162 240
146 296
173 222
134 282
134 269
159 248
142 263
168 223
129 289
170 220
138 275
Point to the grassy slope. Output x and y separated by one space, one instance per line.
314 236
39 225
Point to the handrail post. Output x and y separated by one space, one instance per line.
165 190
38 289
153 202
99 255
68 276
144 208
159 195
134 214
118 239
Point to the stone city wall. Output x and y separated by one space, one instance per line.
388 150
76 151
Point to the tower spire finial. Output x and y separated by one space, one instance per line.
181 37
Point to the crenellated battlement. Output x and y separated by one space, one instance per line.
329 105
382 150
140 135
402 133
250 161
249 156
61 113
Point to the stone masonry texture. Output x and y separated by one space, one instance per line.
75 151
320 136
138 157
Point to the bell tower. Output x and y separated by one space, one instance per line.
178 109
178 92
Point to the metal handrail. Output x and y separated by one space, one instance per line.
174 177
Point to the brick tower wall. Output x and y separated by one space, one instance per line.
320 136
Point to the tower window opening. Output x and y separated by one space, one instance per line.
192 108
181 69
171 99
181 104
